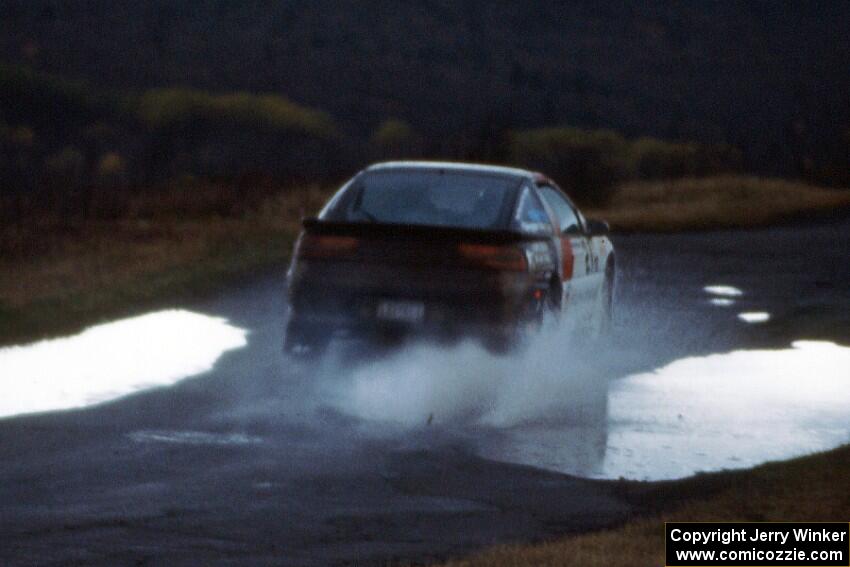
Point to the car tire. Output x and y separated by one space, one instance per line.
606 302
530 328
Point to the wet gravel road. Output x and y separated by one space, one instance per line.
256 462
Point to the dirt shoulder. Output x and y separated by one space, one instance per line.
57 277
812 489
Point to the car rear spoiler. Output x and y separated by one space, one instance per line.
416 232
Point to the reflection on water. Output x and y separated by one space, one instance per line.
194 438
111 360
729 411
701 413
754 316
723 290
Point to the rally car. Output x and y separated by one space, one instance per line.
445 251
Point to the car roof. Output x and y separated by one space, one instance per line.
453 166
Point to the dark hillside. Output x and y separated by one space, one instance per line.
69 148
767 77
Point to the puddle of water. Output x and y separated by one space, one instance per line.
730 410
112 360
194 438
723 290
707 413
754 316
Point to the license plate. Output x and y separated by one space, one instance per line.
402 311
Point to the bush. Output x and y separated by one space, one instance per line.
394 139
18 137
588 164
163 108
111 167
657 159
67 163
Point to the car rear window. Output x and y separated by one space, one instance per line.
438 198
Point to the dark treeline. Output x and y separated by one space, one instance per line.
768 78
77 150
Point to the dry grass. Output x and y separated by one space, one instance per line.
807 489
56 276
715 202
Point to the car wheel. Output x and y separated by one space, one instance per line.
605 313
532 325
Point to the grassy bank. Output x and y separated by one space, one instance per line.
57 275
810 489
716 202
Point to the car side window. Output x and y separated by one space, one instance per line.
568 218
530 215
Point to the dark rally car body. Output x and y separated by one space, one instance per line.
446 250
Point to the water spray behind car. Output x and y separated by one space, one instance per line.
457 273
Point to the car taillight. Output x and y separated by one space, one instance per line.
318 247
508 258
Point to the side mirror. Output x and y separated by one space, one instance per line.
597 227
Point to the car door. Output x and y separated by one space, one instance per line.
575 250
598 246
